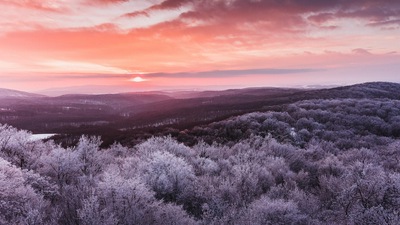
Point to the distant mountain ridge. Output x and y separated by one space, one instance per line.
368 89
119 100
363 90
380 89
9 93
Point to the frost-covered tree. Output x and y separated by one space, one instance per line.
91 213
266 211
19 202
91 160
132 202
14 145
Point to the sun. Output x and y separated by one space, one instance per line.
138 79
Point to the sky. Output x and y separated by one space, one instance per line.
51 46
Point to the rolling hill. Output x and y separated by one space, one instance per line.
128 117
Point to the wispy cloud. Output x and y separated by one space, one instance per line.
39 5
361 51
94 2
290 16
229 73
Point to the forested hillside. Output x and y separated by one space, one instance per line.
322 160
346 123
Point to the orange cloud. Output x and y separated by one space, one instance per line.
185 36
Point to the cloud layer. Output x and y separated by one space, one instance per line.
285 15
229 73
167 38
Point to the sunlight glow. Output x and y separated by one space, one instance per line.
138 79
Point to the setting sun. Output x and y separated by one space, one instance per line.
138 79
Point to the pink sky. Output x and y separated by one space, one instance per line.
196 43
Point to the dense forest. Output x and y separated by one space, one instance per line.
325 159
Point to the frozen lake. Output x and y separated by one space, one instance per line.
36 137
